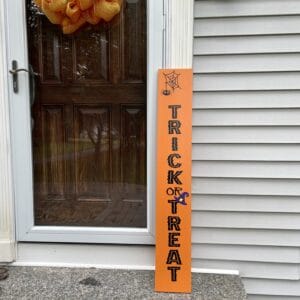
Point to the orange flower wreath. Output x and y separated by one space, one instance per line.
72 14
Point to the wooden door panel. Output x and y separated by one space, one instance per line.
89 121
134 42
50 53
91 56
93 153
53 149
133 153
134 94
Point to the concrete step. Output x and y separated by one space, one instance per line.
73 283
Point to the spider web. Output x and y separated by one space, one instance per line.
172 80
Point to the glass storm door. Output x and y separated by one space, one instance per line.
88 111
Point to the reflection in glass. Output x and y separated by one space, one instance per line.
89 134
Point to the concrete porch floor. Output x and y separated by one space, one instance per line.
68 283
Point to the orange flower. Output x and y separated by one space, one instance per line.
107 9
85 4
73 11
58 5
54 17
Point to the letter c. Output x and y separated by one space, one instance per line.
171 159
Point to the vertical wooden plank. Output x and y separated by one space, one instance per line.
173 195
134 42
133 153
54 164
50 51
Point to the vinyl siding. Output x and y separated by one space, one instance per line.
246 143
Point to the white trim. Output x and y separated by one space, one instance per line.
21 141
179 33
7 252
103 257
83 266
216 271
118 267
61 234
154 62
19 104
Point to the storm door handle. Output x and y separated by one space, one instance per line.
14 71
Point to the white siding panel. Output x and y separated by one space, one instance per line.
253 269
235 236
225 8
241 135
246 117
247 44
246 152
239 169
246 142
247 81
246 203
248 186
281 288
247 220
246 253
247 26
247 63
246 99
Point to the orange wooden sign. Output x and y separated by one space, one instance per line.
173 191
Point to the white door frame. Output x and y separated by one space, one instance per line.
178 49
7 224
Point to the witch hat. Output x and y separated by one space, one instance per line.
181 198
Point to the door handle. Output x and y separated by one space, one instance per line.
14 71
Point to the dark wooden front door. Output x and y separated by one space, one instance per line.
89 121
